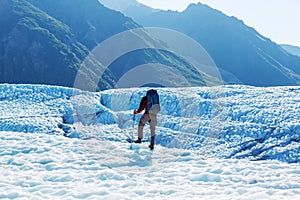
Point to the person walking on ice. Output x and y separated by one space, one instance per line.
149 103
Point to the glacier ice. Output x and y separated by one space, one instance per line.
234 121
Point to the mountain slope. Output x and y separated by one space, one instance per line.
120 5
30 40
93 23
131 8
89 20
239 51
47 42
294 50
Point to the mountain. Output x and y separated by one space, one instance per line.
120 5
131 8
90 21
30 40
55 42
38 48
294 50
241 53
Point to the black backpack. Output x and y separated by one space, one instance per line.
153 106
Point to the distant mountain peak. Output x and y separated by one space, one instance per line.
294 50
238 50
130 8
119 5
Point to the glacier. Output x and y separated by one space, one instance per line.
226 142
233 121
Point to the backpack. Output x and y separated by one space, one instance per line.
153 102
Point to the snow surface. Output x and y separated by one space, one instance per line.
227 142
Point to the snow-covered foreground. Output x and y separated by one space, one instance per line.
40 166
229 142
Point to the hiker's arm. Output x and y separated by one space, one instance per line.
143 105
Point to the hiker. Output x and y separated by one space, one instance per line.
149 103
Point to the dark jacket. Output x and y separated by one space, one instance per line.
143 104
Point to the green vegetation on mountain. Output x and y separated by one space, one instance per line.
48 41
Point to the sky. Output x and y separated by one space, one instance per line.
275 19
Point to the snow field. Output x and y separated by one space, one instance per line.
47 166
229 142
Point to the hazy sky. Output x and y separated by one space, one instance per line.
278 20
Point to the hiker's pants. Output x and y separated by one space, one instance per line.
147 117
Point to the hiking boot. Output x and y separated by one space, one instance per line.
139 140
151 145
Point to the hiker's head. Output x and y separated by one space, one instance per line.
148 92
